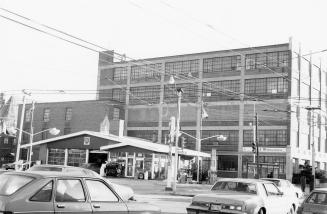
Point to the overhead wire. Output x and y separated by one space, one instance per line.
75 38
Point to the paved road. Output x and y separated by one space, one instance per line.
167 203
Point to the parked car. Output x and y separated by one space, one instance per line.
246 196
114 169
315 202
61 192
286 187
125 192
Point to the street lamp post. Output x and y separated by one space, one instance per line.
177 133
52 131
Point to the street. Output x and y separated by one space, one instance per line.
167 203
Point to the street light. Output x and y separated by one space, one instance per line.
52 131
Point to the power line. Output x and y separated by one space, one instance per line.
92 48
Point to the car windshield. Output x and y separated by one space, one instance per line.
9 184
45 168
233 186
277 182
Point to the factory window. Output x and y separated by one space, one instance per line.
144 95
222 64
5 140
120 74
221 89
151 135
118 94
116 114
266 137
56 156
182 67
69 114
271 59
275 85
151 71
190 92
46 115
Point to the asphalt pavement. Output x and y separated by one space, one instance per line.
157 187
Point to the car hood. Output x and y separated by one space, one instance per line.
142 207
125 192
224 197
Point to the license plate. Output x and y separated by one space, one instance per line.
215 207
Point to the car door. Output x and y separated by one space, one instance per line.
316 203
39 198
70 197
275 202
103 198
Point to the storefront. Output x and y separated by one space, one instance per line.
135 154
147 158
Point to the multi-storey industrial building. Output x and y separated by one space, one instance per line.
275 82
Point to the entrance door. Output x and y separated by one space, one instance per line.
130 171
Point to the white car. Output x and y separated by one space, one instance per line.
286 187
126 193
244 196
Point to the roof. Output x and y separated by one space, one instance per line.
247 180
75 134
121 142
49 174
148 145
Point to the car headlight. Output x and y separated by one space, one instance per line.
232 207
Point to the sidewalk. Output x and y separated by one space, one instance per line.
156 187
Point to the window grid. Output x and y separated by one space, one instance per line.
46 115
151 71
145 94
76 157
221 64
182 67
69 114
120 74
269 59
118 94
266 137
190 91
221 88
116 113
275 85
56 156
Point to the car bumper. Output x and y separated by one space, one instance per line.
199 211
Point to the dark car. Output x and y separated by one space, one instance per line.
315 202
60 192
114 169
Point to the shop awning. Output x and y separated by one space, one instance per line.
155 147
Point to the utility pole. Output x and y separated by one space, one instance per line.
177 133
20 133
31 135
313 147
257 145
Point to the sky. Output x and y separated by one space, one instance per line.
50 69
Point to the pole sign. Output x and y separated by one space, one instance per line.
266 149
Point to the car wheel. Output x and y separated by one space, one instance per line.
261 211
